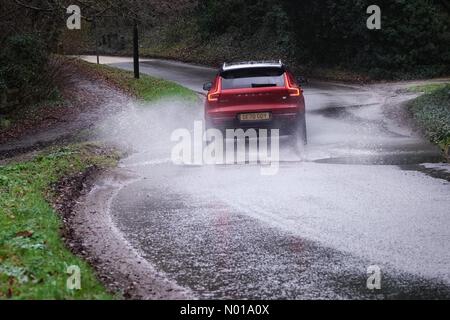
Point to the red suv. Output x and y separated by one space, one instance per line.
256 95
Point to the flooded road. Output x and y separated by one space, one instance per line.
366 191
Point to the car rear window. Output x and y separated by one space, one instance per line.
252 78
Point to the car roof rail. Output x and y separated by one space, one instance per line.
229 64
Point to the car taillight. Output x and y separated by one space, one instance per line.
213 97
214 94
294 90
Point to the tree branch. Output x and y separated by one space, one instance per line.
33 7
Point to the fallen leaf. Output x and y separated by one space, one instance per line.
9 294
24 234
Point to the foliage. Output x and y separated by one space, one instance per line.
253 24
26 73
414 41
146 88
33 258
23 57
432 112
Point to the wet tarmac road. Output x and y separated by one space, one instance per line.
357 196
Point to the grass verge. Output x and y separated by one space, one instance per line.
428 88
33 258
146 88
432 113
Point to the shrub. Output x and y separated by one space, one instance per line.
432 112
24 72
413 42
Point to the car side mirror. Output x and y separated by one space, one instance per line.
207 86
302 80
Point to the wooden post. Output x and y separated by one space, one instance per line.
136 50
96 39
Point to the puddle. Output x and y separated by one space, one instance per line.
435 172
396 159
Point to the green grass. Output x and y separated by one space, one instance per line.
4 123
428 88
33 258
432 112
146 88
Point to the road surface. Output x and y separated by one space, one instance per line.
366 191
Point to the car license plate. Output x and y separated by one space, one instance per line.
254 116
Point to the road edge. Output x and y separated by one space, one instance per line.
118 265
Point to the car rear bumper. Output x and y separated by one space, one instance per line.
282 121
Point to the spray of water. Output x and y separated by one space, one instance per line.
145 129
